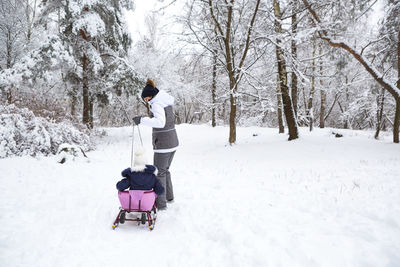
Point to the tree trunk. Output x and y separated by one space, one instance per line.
323 105
323 92
232 115
85 86
396 122
9 49
379 112
74 101
310 113
294 56
287 100
73 105
346 122
85 92
231 74
30 20
8 65
304 103
213 90
91 100
279 97
9 95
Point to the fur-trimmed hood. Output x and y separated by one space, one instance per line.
163 99
150 169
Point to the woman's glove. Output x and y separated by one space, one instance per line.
137 119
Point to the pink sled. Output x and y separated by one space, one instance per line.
142 201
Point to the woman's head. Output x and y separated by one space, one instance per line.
149 91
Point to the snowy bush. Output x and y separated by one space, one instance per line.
21 133
68 152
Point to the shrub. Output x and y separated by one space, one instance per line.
21 133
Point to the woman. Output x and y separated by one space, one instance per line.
165 139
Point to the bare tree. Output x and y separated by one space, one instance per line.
286 98
11 38
233 41
214 89
391 88
380 101
322 92
294 92
11 32
30 15
310 107
280 106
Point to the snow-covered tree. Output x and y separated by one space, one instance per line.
390 33
94 35
327 33
283 77
232 25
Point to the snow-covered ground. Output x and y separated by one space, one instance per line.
317 201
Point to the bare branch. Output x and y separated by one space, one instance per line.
215 19
391 88
249 34
366 10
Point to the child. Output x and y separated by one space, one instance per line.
140 176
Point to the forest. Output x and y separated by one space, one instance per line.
275 133
67 64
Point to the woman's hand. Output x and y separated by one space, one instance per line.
137 119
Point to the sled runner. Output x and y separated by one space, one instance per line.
137 201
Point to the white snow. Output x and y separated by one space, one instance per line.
91 22
21 133
316 201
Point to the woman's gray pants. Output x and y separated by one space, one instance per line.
162 161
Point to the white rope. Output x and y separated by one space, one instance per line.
133 140
140 136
